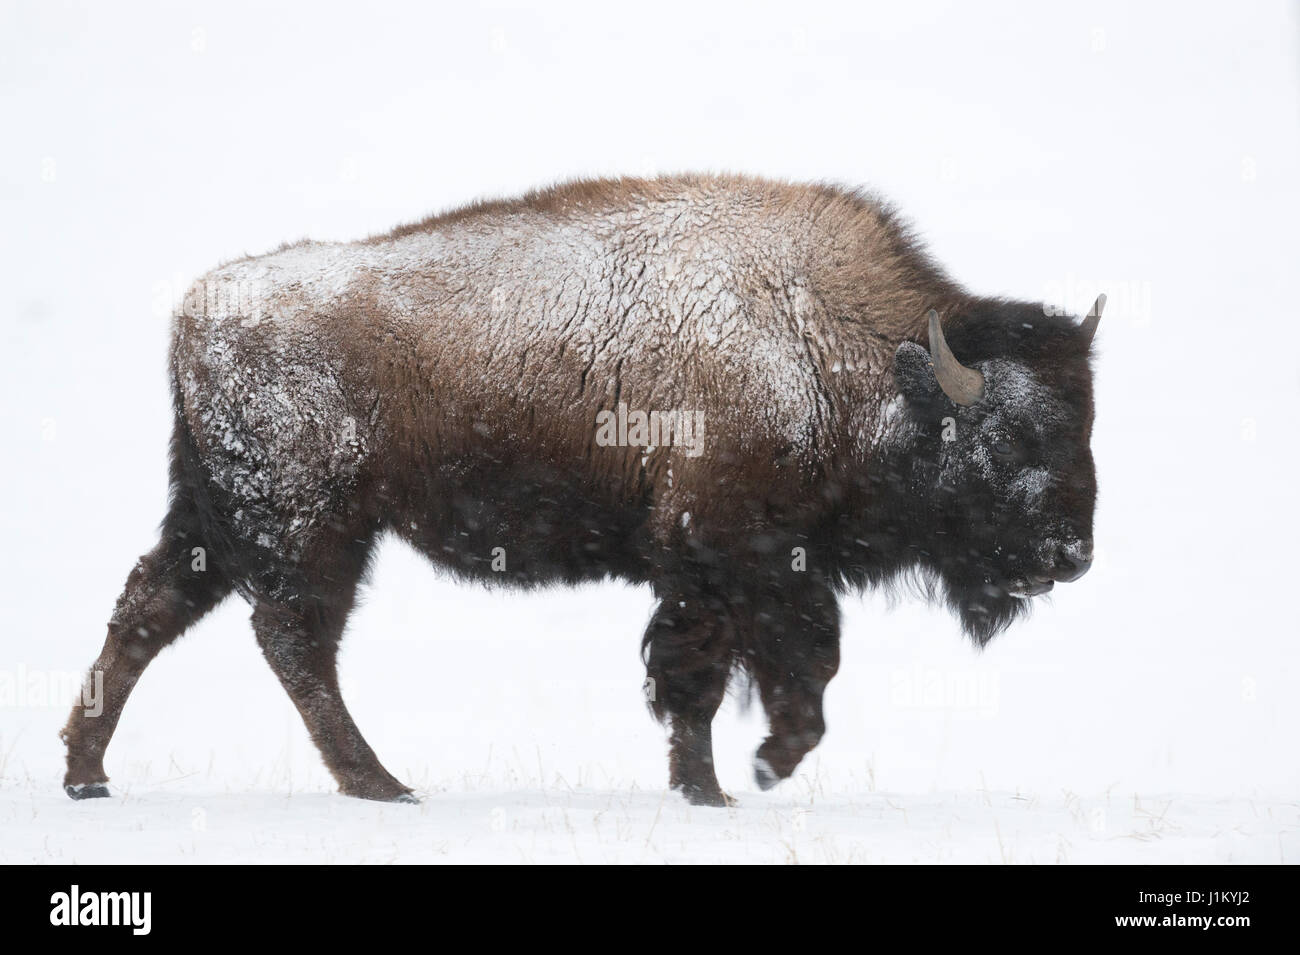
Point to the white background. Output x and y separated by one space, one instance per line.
1146 713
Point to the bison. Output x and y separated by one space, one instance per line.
752 396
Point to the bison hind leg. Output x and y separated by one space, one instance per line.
169 589
299 612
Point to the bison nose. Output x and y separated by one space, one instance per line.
1072 561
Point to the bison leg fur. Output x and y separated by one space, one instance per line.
689 651
298 617
794 654
302 651
166 592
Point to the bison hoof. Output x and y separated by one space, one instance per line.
87 791
379 795
707 797
764 774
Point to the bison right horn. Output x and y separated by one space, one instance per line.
1089 324
963 385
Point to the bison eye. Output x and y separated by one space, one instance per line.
1004 449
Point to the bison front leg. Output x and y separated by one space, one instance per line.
794 654
689 647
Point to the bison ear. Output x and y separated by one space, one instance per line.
914 376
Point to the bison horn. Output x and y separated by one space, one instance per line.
963 385
1089 325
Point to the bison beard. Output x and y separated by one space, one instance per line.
446 384
984 610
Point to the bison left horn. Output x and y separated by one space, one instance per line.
963 385
1089 324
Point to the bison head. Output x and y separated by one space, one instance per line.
1000 459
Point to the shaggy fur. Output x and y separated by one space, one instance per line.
443 383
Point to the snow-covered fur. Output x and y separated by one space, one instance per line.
505 387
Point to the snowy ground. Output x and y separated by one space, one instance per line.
513 819
1145 714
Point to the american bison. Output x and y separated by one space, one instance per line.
750 395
